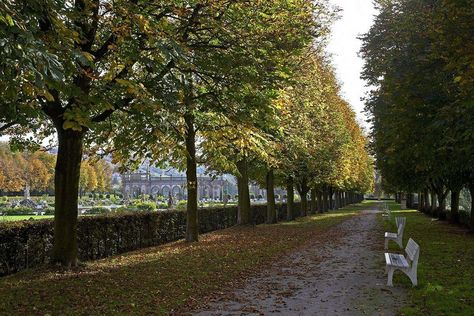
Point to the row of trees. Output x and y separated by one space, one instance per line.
96 176
34 170
419 60
21 171
240 86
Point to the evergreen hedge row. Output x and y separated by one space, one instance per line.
28 244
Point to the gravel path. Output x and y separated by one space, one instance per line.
341 273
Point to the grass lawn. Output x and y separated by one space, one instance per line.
446 265
13 218
162 279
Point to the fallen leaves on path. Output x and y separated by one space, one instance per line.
159 280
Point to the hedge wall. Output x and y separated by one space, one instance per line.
28 244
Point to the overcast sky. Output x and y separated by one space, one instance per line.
356 19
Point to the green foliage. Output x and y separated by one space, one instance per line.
421 105
17 211
98 210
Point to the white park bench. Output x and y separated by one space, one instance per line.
407 265
398 236
386 211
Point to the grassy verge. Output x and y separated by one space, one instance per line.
161 279
446 266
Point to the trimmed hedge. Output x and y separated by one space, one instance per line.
28 244
21 210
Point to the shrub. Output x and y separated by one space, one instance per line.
182 204
17 211
162 205
98 210
146 206
49 211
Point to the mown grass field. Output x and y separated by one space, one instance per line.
162 279
14 218
446 265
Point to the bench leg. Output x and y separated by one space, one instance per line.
399 241
390 277
386 243
413 278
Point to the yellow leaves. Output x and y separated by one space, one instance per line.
48 95
143 23
88 56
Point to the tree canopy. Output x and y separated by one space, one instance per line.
234 85
421 104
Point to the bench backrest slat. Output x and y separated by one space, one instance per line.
412 250
401 221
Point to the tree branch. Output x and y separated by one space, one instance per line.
7 126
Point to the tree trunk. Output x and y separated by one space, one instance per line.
427 205
303 190
244 215
455 205
320 202
421 201
442 205
471 190
290 198
271 209
314 206
331 202
434 207
192 220
325 200
66 187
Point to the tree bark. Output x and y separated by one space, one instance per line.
427 205
320 202
442 205
455 194
66 186
271 209
244 215
303 190
434 207
325 200
290 198
314 206
192 219
471 190
331 202
420 202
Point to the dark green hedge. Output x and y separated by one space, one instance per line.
28 243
